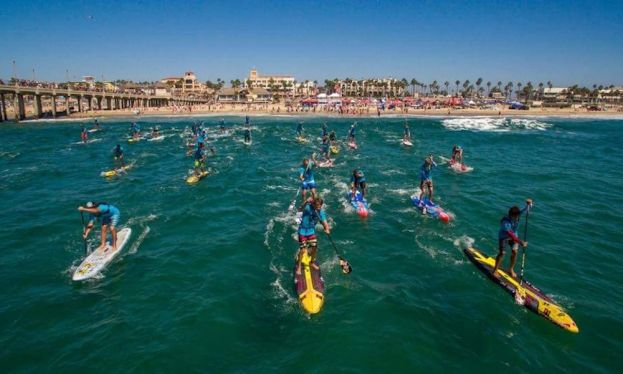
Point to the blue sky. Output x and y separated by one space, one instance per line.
563 41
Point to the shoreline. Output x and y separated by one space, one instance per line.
412 113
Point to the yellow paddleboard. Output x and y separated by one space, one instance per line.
194 178
309 286
112 173
534 299
334 149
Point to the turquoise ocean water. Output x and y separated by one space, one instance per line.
205 283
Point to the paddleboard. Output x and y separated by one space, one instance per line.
134 140
157 138
325 164
533 298
99 258
359 203
352 145
194 178
113 172
94 130
89 141
249 142
301 139
309 286
407 143
334 149
433 210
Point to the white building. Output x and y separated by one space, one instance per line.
276 83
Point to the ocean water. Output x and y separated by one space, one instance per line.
206 284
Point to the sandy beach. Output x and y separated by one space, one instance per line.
363 112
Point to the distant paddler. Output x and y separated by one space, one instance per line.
332 136
312 214
299 130
199 158
155 132
325 148
358 183
306 175
135 130
117 153
507 235
426 179
247 134
407 133
324 129
351 133
222 126
96 125
108 215
246 120
84 134
457 155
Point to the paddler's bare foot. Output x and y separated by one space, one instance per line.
315 266
512 273
496 274
298 270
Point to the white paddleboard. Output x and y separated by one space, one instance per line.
101 257
160 137
407 143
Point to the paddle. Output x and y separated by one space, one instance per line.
523 249
520 293
84 230
346 268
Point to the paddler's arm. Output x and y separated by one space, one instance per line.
325 225
94 210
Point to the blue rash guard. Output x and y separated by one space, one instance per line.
360 178
118 151
310 219
299 129
108 214
508 228
246 120
308 176
407 132
426 171
351 132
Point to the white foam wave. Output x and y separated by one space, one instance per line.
463 242
494 124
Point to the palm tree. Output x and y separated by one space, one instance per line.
478 83
446 83
500 86
457 82
518 89
549 85
540 90
465 85
488 88
413 82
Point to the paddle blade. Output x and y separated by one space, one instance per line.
346 268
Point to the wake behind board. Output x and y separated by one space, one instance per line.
113 172
194 178
534 299
99 258
309 286
359 203
458 167
431 209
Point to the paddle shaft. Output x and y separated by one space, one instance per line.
84 230
523 249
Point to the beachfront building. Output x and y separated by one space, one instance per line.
187 85
284 84
377 87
